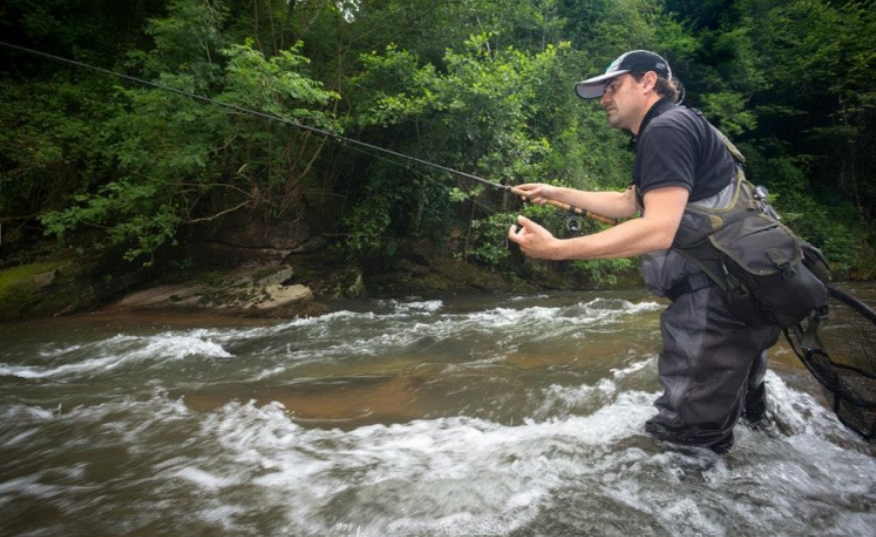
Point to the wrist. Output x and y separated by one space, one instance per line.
555 250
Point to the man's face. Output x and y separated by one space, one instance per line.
622 102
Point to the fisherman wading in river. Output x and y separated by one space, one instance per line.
712 363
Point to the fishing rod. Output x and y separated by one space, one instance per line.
575 211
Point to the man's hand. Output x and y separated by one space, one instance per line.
534 240
536 193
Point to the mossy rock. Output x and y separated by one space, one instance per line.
34 290
63 286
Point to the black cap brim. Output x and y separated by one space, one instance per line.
595 87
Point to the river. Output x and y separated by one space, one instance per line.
498 415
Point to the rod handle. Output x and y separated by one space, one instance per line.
570 208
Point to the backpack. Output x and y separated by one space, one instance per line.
770 275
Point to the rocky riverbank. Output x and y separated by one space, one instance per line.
234 281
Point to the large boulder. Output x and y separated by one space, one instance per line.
247 292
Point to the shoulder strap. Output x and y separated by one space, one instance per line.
737 154
740 158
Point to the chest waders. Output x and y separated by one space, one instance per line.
839 354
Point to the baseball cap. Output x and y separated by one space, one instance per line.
635 61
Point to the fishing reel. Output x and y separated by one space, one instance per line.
573 226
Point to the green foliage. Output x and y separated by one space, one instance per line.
187 44
275 86
603 271
367 225
475 115
733 110
130 213
490 239
817 57
605 28
178 161
47 145
830 226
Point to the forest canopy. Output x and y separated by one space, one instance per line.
91 159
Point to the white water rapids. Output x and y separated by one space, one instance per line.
499 416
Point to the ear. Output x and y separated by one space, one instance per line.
649 81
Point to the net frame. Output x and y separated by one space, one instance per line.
839 350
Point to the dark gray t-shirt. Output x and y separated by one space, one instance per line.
677 147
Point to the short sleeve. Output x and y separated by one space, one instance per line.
666 157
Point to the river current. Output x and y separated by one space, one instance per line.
495 416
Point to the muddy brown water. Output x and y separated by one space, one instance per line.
492 415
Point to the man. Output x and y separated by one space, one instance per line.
712 364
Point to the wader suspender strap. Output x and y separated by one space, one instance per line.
691 283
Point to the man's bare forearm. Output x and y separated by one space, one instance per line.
611 204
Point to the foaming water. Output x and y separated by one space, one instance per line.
502 416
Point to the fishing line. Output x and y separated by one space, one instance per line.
322 132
